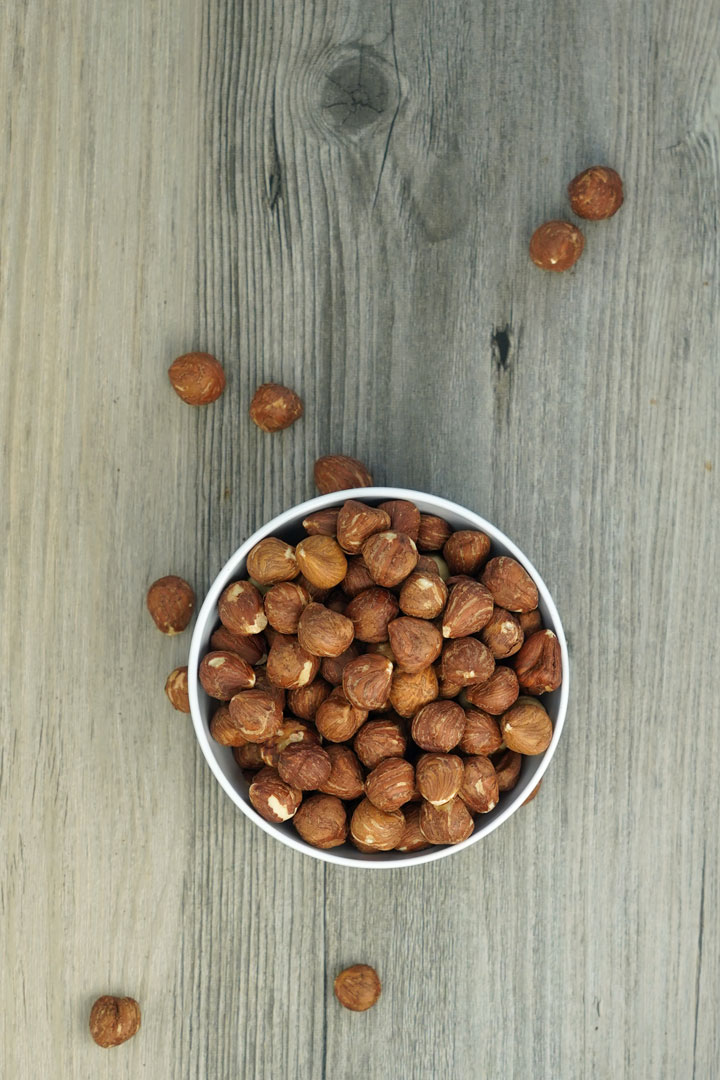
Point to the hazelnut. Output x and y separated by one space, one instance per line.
532 794
323 632
371 611
433 533
423 595
481 734
284 604
306 700
502 634
290 733
439 726
275 407
441 567
507 767
510 584
304 765
479 790
378 830
252 648
272 560
416 643
439 777
176 688
255 714
390 557
404 517
275 692
346 777
379 739
337 472
321 561
313 591
538 665
171 602
332 667
556 245
497 694
449 823
114 1020
466 660
224 730
273 799
321 522
596 193
223 674
469 608
322 821
466 551
448 689
410 690
197 378
526 727
356 522
412 838
357 987
240 608
357 578
366 682
390 784
426 565
530 622
248 756
337 720
381 648
289 665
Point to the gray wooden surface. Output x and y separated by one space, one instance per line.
339 195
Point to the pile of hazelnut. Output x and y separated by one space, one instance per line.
381 680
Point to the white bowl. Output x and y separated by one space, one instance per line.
220 758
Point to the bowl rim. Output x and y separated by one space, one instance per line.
208 612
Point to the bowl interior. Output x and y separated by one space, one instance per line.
289 526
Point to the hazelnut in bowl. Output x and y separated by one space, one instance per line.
378 677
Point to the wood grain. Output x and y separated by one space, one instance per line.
339 196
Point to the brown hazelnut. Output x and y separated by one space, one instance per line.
273 799
426 565
284 604
322 821
441 568
532 794
275 692
530 622
448 689
321 522
371 611
240 608
410 690
306 700
272 560
253 649
323 632
248 756
336 472
337 719
275 407
596 193
224 729
290 733
304 765
481 734
313 591
466 660
502 634
289 665
469 608
377 829
357 578
538 665
466 551
255 714
526 727
356 522
404 517
390 784
439 777
321 560
357 987
346 776
332 667
176 688
223 674
433 533
497 694
379 739
439 726
507 767
390 557
171 602
416 643
381 648
366 682
197 378
510 584
423 595
412 838
114 1020
449 823
556 245
479 790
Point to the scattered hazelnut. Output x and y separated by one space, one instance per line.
469 608
321 560
171 602
377 829
248 756
223 674
346 777
410 690
322 821
371 611
481 734
390 557
466 551
416 643
357 987
423 595
176 688
510 584
526 727
332 667
530 622
357 578
507 769
404 517
197 378
439 726
275 407
321 522
272 560
497 694
273 799
538 665
339 473
289 665
439 777
284 604
304 765
252 648
255 714
412 838
356 522
224 729
532 794
596 193
337 719
114 1020
379 739
323 632
556 245
479 790
290 733
466 660
366 681
449 823
433 533
390 784
240 608
306 700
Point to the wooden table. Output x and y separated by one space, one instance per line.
339 196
